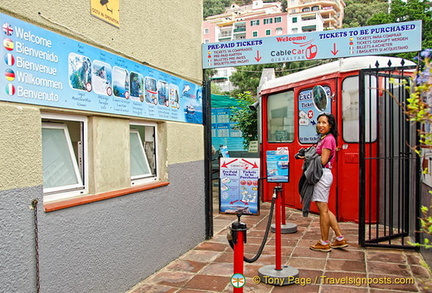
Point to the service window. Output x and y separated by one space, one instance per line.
64 155
350 109
143 153
280 117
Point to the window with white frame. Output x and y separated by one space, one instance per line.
279 31
255 34
278 19
268 32
64 156
206 31
268 20
143 164
254 22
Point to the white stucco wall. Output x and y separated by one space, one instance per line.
20 146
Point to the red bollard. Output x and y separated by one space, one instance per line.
286 228
278 238
238 234
278 275
283 210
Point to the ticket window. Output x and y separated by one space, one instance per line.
280 117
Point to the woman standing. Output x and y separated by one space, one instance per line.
326 148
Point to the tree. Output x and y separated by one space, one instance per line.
284 5
214 7
356 13
418 110
246 78
246 118
408 11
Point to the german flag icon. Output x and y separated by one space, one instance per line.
10 74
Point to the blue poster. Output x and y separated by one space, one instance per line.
44 68
239 185
311 103
277 165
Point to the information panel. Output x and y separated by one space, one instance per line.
239 185
278 165
368 40
44 68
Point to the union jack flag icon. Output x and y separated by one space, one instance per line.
7 29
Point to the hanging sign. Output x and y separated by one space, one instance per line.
239 185
369 40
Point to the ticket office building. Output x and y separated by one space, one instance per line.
93 201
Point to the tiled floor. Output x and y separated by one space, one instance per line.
209 266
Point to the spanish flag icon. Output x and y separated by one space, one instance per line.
9 74
8 44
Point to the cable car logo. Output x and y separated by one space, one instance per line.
311 52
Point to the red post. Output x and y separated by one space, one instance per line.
283 209
238 233
238 258
278 232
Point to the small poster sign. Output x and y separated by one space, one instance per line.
239 185
277 165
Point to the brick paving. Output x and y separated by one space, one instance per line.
209 266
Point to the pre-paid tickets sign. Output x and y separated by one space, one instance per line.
239 185
369 40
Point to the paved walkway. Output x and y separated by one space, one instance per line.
209 266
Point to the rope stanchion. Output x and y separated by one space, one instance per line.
237 238
278 275
286 228
274 275
260 250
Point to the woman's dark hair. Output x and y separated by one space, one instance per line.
332 121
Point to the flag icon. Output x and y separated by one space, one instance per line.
9 74
7 29
10 89
8 44
9 59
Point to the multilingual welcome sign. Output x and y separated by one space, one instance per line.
44 68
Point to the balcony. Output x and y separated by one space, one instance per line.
224 37
239 29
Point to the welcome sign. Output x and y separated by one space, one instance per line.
370 40
44 68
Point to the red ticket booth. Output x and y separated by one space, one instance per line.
289 107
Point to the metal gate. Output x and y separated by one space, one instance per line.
389 169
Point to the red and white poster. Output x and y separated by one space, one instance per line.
239 185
